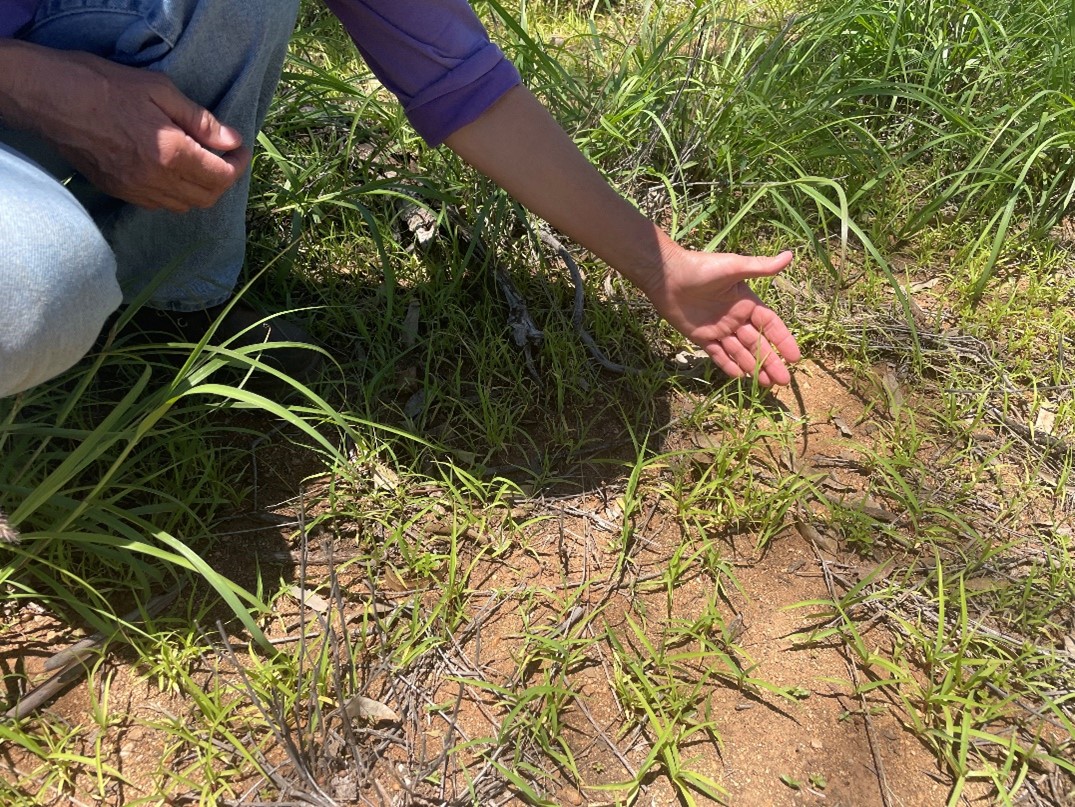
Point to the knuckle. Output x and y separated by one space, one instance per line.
169 157
160 79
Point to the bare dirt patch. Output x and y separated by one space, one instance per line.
555 627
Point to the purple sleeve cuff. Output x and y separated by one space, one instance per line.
434 55
452 105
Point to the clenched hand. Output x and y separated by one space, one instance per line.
129 131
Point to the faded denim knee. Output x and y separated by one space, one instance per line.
226 56
57 276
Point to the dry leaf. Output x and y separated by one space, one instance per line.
869 507
843 428
377 608
1046 420
410 323
384 478
315 602
734 629
465 457
8 534
415 405
892 389
421 223
369 711
708 446
392 581
825 543
836 485
914 288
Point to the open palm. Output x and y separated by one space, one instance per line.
705 296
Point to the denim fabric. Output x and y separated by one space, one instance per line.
57 276
224 54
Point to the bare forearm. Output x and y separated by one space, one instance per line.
517 144
520 146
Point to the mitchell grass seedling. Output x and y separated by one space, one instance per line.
670 710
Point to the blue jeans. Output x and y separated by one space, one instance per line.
70 254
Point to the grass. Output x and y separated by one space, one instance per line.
539 565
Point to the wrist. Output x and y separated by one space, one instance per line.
653 262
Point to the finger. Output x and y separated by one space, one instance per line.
723 361
757 357
238 159
744 357
746 267
178 196
773 372
186 161
197 121
769 366
776 332
171 203
739 362
180 176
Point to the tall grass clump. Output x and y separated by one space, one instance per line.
114 473
874 118
104 490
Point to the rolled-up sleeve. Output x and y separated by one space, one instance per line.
434 55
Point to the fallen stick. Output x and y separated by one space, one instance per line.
69 663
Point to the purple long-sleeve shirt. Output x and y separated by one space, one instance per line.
434 55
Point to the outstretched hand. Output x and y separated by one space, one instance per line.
129 131
705 296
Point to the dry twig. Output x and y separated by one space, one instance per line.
875 752
69 663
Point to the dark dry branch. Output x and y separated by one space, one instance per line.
308 791
69 663
553 243
914 606
1050 447
603 736
875 752
525 333
939 352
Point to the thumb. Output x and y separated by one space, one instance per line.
745 267
199 122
